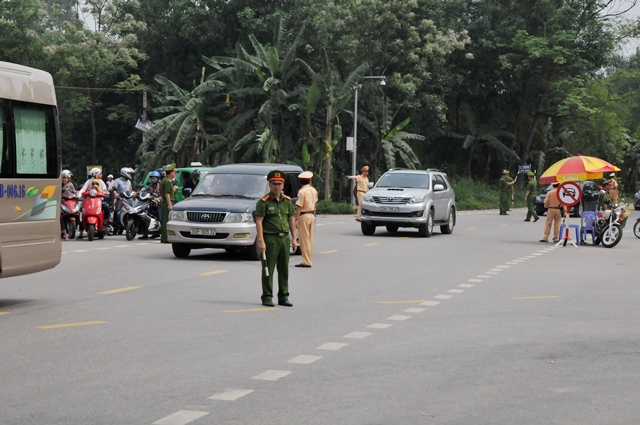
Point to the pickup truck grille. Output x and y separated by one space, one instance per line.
388 200
205 217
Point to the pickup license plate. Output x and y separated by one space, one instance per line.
203 232
392 209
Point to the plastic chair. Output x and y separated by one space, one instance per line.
588 224
570 226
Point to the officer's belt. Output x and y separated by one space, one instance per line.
276 234
306 212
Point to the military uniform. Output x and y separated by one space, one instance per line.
554 214
532 189
306 205
605 198
166 187
503 189
277 216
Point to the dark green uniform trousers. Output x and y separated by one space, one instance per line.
504 202
277 258
531 212
164 207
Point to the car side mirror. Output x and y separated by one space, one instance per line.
186 192
370 185
438 188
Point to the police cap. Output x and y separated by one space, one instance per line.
276 175
306 175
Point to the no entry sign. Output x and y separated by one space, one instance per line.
569 193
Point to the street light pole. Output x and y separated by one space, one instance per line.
355 127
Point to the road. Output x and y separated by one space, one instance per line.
483 326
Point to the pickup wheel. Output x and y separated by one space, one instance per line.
392 229
367 229
180 250
447 229
425 230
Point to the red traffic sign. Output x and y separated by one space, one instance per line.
569 193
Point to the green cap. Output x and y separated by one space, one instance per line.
276 175
505 171
607 181
170 167
531 174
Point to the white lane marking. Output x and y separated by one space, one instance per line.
304 359
466 285
531 256
430 303
143 243
357 335
331 346
272 375
319 224
474 280
483 276
536 253
502 267
456 291
81 250
443 297
523 258
513 263
516 262
496 270
379 326
493 273
543 251
414 310
230 395
63 252
123 246
103 248
398 317
181 417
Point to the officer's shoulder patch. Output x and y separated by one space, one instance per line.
266 197
286 197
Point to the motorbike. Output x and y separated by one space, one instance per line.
636 228
139 220
120 217
609 226
70 211
93 215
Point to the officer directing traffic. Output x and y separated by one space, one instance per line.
306 215
275 219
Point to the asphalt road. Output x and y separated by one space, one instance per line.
483 326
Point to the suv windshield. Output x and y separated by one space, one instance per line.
405 180
232 185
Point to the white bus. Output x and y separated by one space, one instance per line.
30 161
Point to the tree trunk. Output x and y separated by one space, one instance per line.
328 136
94 135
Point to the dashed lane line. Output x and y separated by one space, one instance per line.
379 326
272 375
115 291
483 276
249 310
181 417
456 291
476 280
430 303
541 297
401 302
466 285
443 297
70 325
213 272
231 394
398 317
304 359
333 346
372 244
415 310
357 335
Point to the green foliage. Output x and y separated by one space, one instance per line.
328 207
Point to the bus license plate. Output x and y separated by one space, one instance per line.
203 232
392 209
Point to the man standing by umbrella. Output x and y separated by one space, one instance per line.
614 188
530 197
503 189
554 214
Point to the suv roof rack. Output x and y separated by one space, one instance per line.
434 169
397 168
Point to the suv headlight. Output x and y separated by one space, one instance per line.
416 199
367 198
176 215
238 218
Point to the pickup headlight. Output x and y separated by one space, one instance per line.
367 198
239 218
416 200
176 215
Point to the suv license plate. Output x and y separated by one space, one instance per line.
203 232
393 209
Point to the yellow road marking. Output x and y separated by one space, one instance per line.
3 312
213 272
470 228
69 325
331 251
543 297
401 302
499 225
115 291
371 244
251 309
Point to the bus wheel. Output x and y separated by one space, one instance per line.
91 233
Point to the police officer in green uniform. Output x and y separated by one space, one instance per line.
604 201
503 189
168 195
530 197
275 218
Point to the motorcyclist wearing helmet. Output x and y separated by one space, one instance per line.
153 187
121 185
70 188
95 173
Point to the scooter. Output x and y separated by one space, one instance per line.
70 211
139 220
636 228
609 226
125 200
93 215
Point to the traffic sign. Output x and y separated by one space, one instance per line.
569 193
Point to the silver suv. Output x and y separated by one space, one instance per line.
409 198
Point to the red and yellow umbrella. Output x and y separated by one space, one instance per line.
577 168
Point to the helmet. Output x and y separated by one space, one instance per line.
125 172
154 174
67 174
196 172
95 172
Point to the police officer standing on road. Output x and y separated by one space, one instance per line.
554 214
306 216
362 182
503 189
530 197
168 198
275 218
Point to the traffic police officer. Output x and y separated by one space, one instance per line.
361 187
168 195
503 188
275 218
306 216
530 197
554 214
